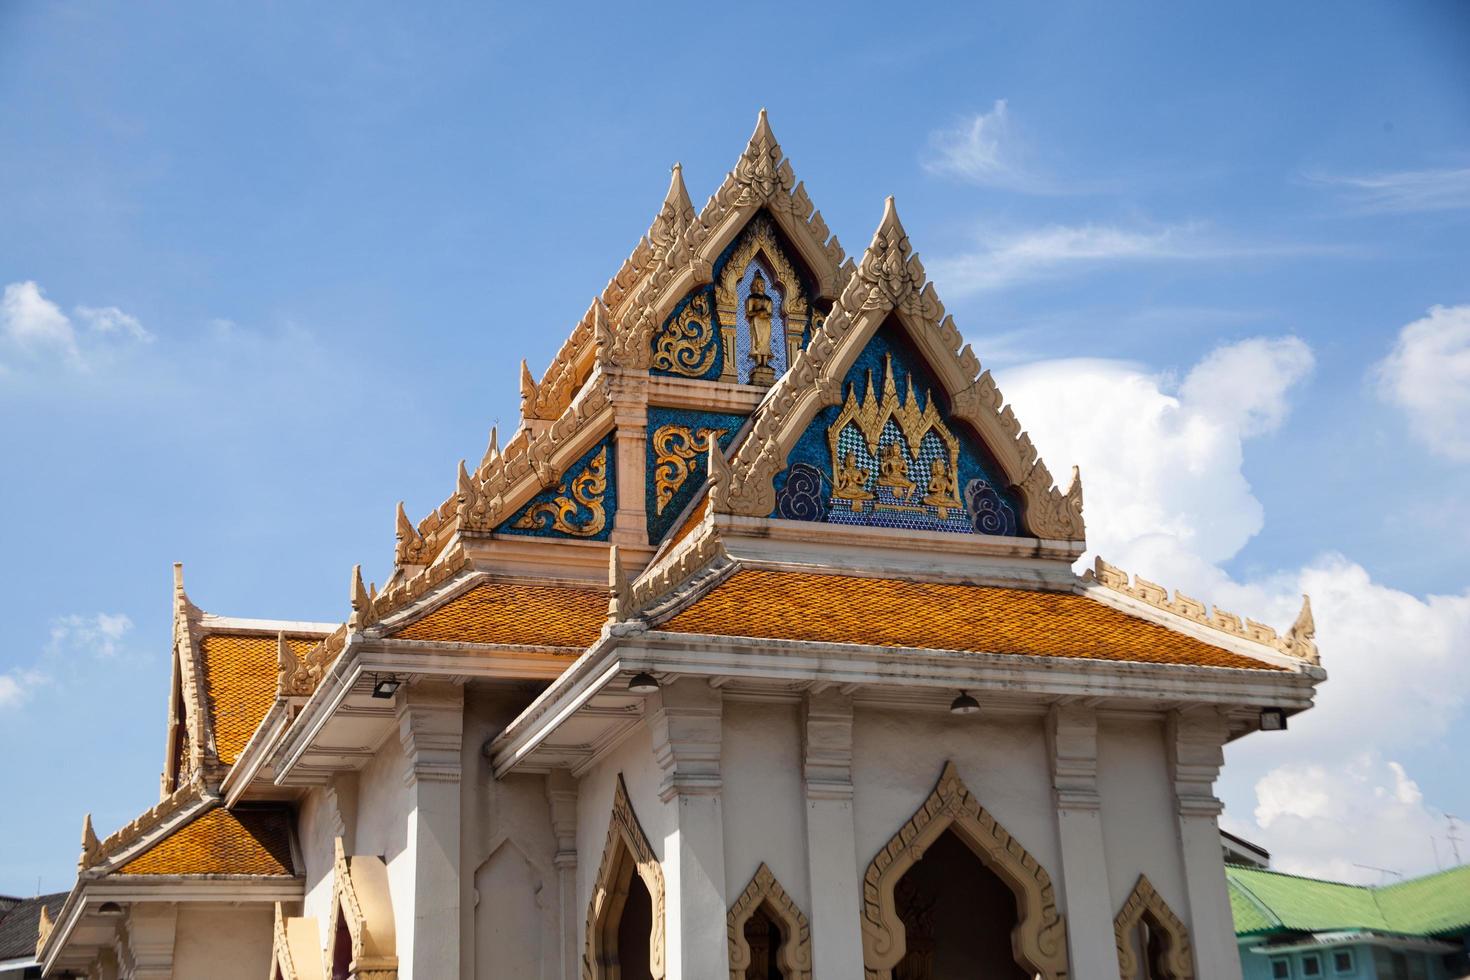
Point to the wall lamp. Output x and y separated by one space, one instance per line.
643 683
385 687
964 705
1273 720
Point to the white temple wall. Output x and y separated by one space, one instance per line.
509 909
763 798
223 943
634 759
896 761
1139 826
317 827
381 827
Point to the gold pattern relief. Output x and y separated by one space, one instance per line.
686 346
560 513
760 241
893 459
675 448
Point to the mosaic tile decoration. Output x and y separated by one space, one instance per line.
889 456
582 505
688 345
677 458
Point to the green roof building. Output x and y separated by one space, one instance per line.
1292 928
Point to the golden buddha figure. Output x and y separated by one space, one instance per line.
893 472
941 489
758 311
851 482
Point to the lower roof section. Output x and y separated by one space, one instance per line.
515 613
788 605
250 840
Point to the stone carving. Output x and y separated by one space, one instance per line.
561 513
891 279
619 597
674 449
795 957
627 852
1176 955
91 847
686 346
1039 940
1297 643
293 678
410 548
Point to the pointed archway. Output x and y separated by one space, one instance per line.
626 855
1167 948
1039 940
764 893
361 943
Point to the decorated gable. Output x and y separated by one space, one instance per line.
891 455
678 456
581 505
748 324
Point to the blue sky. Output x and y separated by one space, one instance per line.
269 269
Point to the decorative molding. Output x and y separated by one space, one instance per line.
1177 954
687 344
689 558
188 794
625 841
361 899
619 597
584 492
1039 940
1297 643
795 958
891 280
293 677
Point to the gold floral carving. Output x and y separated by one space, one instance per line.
674 449
585 493
1297 643
626 853
890 280
370 930
686 345
795 958
1039 940
1177 955
759 239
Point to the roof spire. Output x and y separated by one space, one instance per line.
528 389
674 215
91 847
1299 637
719 479
602 332
361 601
492 451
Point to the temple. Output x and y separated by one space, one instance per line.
756 651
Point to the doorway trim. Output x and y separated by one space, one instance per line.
1178 953
626 843
796 933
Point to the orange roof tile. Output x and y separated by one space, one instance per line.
516 613
247 841
240 684
939 616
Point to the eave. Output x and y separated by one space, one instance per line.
593 693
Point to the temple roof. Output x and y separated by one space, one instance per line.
515 613
253 840
1265 902
240 677
781 605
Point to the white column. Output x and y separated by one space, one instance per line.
630 407
1196 741
561 790
1072 738
832 862
686 726
431 726
151 930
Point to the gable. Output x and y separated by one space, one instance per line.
891 454
582 504
677 460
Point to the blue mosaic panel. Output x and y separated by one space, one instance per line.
688 345
868 471
582 505
677 459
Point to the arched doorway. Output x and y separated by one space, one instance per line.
769 938
975 860
1153 943
625 920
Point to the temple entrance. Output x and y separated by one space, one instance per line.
763 936
957 917
631 953
1148 951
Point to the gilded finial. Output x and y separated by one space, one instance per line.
617 586
602 333
91 846
1299 639
528 386
360 599
719 479
491 451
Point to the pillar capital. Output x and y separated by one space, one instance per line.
685 720
826 743
431 728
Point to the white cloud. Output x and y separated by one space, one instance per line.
1404 191
99 634
33 323
111 320
981 149
16 687
1162 462
1006 260
1427 375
